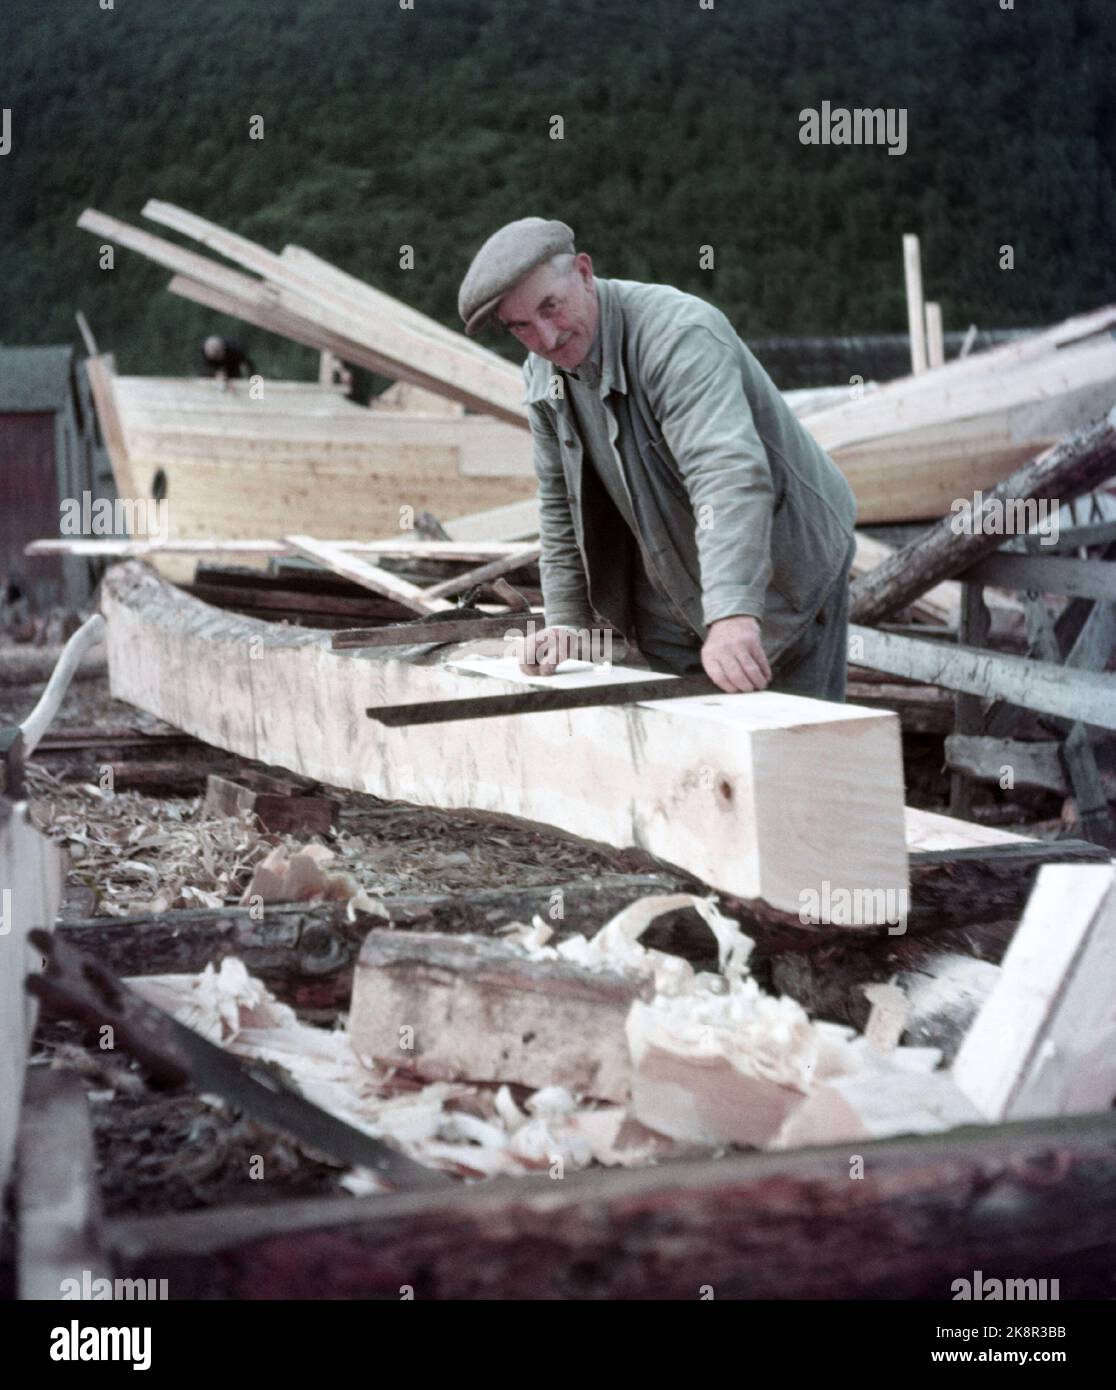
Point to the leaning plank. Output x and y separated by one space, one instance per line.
1018 1201
1045 1042
766 796
30 889
58 1204
1088 696
487 383
1075 465
380 581
524 555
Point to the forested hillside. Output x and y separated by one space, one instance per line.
430 127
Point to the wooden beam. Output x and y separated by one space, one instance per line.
939 604
935 339
916 310
1044 1044
101 372
744 1226
1036 685
87 334
1076 465
1047 574
985 758
380 581
739 791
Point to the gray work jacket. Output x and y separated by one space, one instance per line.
738 509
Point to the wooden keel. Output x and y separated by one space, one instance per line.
765 797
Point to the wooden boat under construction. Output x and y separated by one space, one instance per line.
909 448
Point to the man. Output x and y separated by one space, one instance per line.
224 359
681 501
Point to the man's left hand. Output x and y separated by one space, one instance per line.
733 655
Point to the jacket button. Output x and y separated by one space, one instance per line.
568 441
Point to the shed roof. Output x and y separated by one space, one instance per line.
34 378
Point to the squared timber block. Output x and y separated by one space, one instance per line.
280 807
468 1008
768 797
1044 1042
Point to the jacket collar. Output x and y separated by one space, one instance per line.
539 371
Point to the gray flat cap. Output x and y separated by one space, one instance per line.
505 258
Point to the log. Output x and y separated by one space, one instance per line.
764 796
1074 466
463 1008
305 953
1044 1044
1044 686
1015 1201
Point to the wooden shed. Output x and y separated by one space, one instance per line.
49 451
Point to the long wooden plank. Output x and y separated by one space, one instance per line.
1044 1043
766 797
1043 686
474 551
380 581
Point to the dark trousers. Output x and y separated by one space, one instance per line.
815 664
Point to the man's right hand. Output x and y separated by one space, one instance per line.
544 651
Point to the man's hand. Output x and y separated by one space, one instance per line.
544 651
733 655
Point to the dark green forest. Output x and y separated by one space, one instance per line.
430 126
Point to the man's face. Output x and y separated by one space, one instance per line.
554 313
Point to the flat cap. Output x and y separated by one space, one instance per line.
504 259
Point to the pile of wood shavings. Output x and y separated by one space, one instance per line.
141 854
